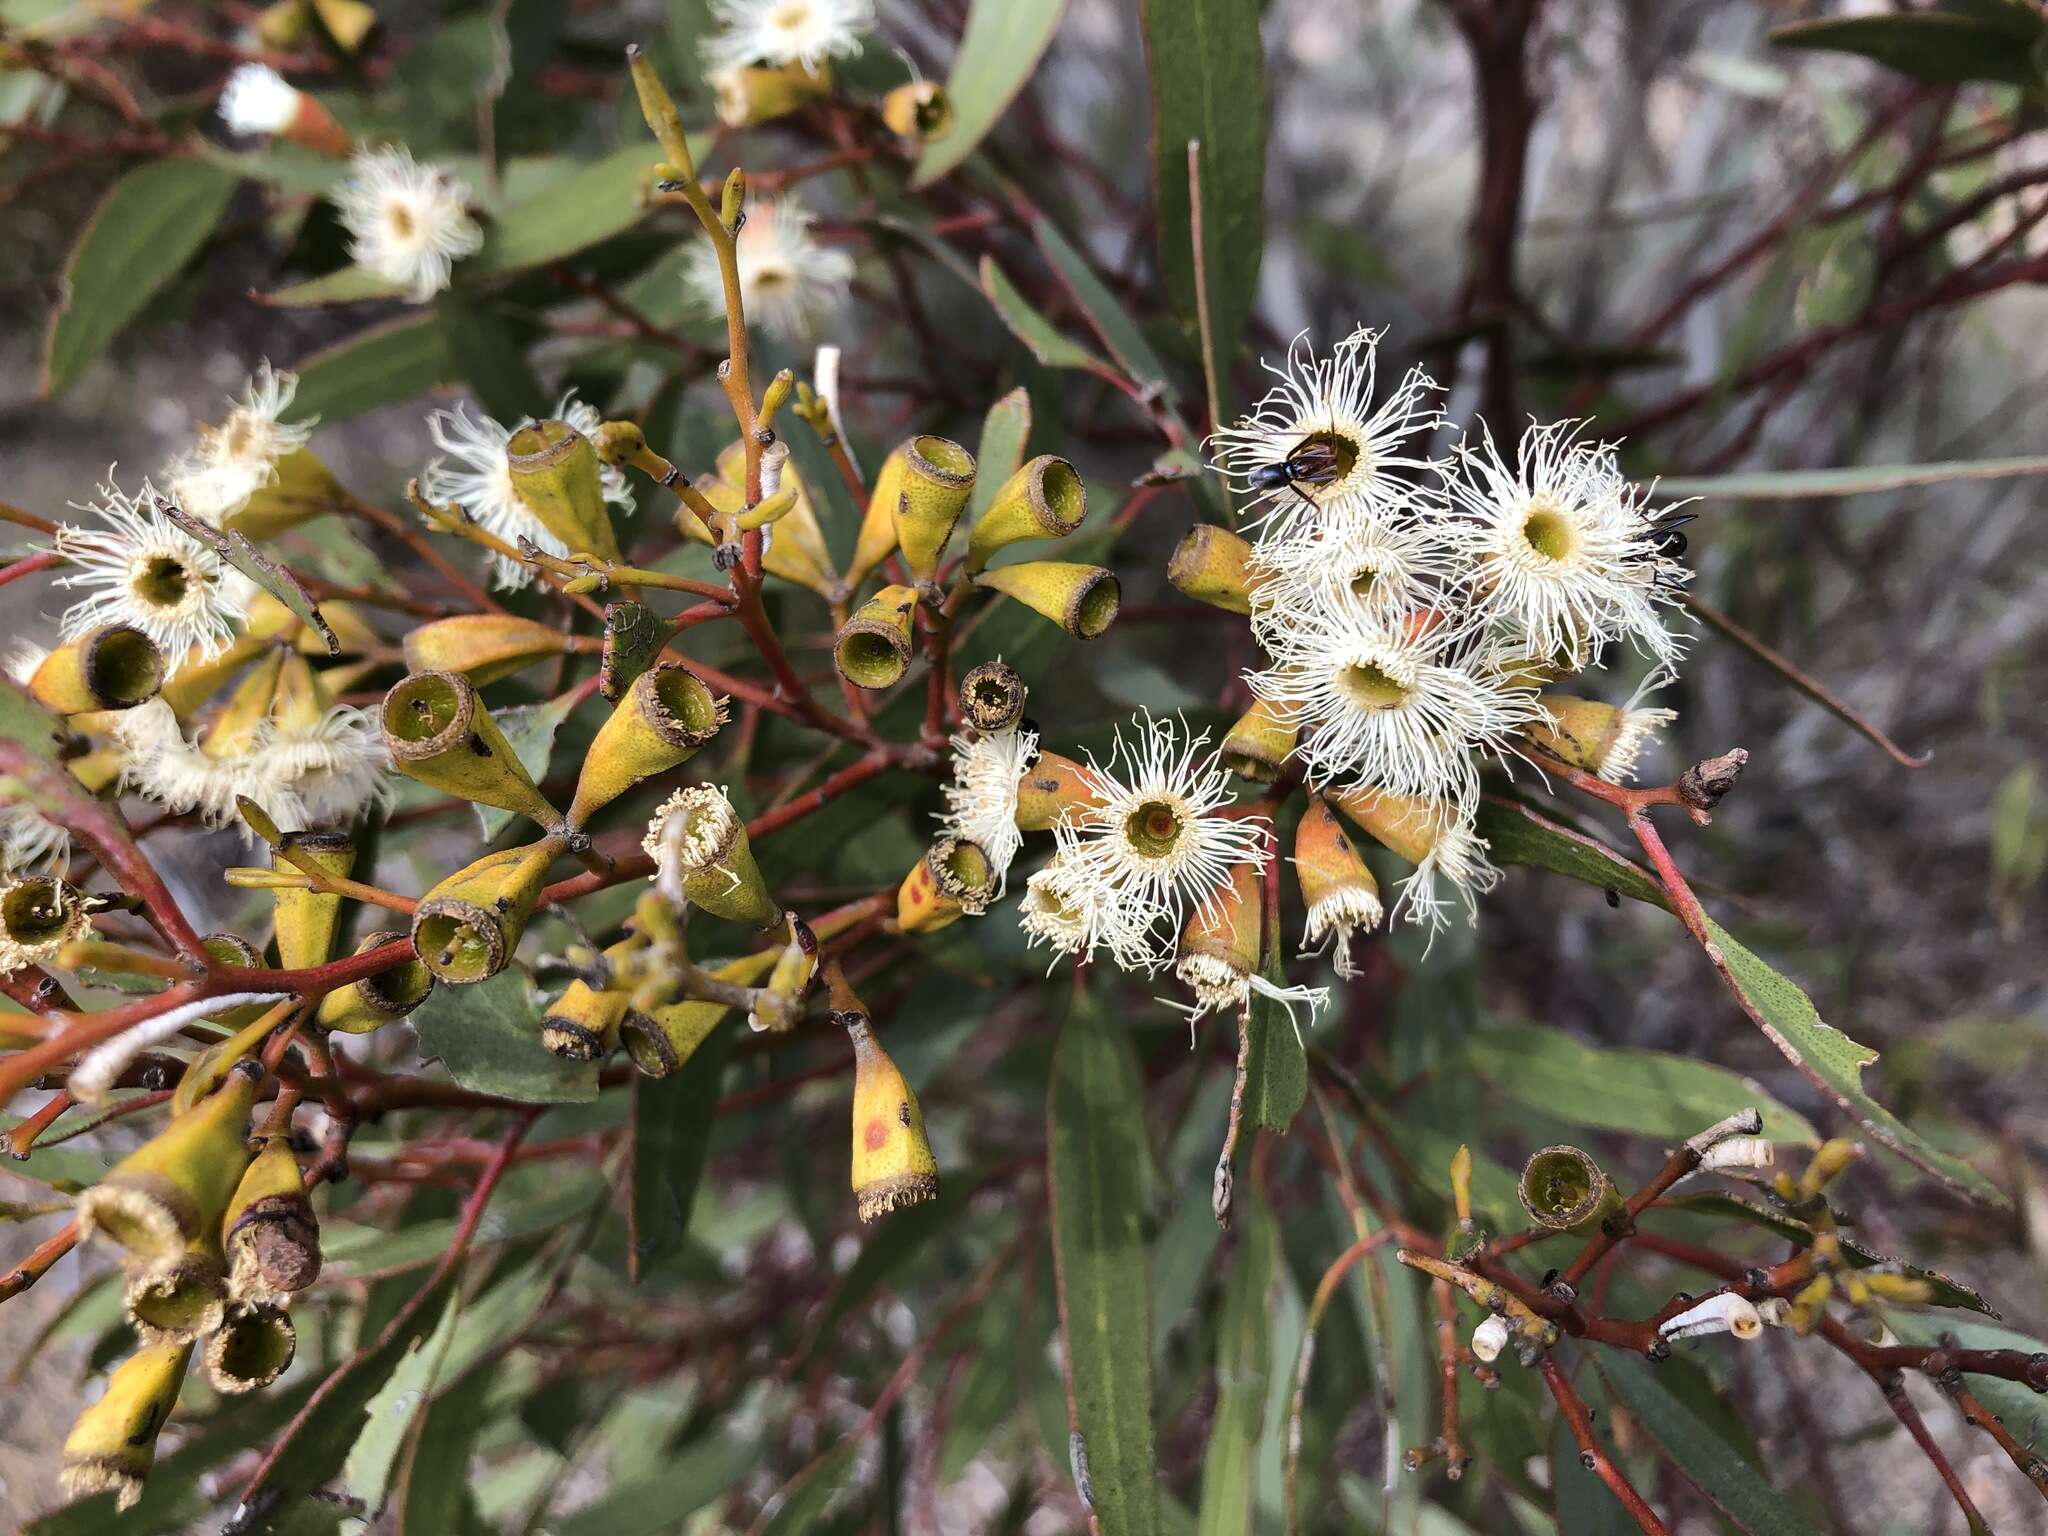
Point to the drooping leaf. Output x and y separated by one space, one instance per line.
1858 480
1095 1119
653 1506
1004 432
672 1123
148 226
1208 72
1276 1075
1244 1361
276 579
488 1037
1000 48
1708 1461
1112 322
380 366
530 730
433 1493
1931 45
1047 344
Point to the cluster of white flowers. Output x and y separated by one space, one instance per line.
139 568
1411 608
477 476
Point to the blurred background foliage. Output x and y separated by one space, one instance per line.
1748 255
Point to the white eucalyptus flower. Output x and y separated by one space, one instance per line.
1457 856
322 769
981 800
257 99
789 283
144 570
409 223
479 480
1566 554
777 32
1326 404
215 478
1386 566
1078 917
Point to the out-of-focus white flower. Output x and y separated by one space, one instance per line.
1326 405
142 569
215 478
479 480
789 283
775 32
315 766
409 223
1565 554
1077 916
257 99
981 800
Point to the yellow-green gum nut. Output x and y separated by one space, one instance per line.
302 488
466 928
307 920
555 473
797 528
937 479
483 647
786 558
1563 1189
1211 565
1053 788
919 110
1261 741
377 1000
1405 825
39 915
231 949
892 1158
178 1298
873 648
665 717
269 1233
722 878
953 878
877 536
1043 500
750 94
991 696
438 731
112 1445
175 1187
1081 599
583 1023
662 1039
115 667
252 1347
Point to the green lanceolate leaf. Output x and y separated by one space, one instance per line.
1276 1076
1244 1363
672 1122
1930 46
1860 480
1737 1489
1004 432
1209 85
1111 321
488 1037
147 227
1095 1128
1518 833
380 366
488 356
653 1506
1048 345
1001 46
391 1414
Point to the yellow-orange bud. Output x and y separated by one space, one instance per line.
1262 740
483 647
892 1161
953 878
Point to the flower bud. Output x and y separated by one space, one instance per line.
483 647
918 110
1262 740
1338 890
117 667
301 487
1212 565
1054 786
892 1161
1489 1339
1603 739
779 1004
583 1023
175 1187
1829 1163
1219 946
991 696
466 928
374 1001
179 1298
749 94
1043 500
1563 1189
953 878
662 1039
1081 599
252 1347
269 1233
700 849
873 648
665 717
937 478
1739 1152
555 474
1724 1312
306 920
39 915
1908 1290
438 731
113 1444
